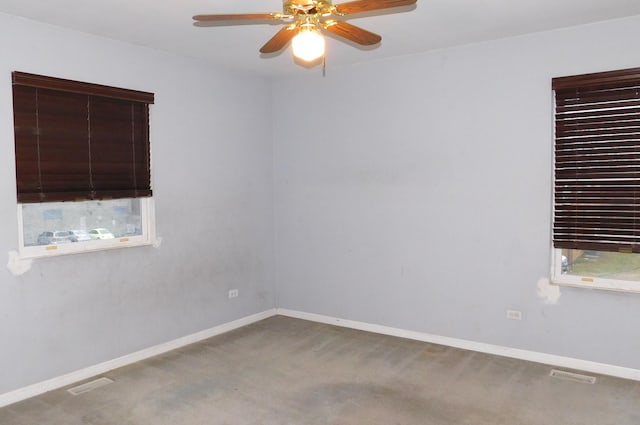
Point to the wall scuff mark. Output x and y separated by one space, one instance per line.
548 292
18 266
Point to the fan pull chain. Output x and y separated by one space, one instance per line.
324 65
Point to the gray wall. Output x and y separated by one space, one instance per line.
212 183
420 196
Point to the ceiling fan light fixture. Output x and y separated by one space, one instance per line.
308 44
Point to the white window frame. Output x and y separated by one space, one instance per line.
148 237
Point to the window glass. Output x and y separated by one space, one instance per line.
55 223
601 264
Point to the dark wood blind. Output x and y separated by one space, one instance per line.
597 161
79 141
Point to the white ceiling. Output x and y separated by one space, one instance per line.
433 24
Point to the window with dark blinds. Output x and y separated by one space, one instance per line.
597 161
79 141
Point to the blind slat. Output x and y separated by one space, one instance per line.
595 131
609 112
597 246
597 157
568 109
604 97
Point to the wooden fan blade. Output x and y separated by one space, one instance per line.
278 41
353 33
367 5
234 17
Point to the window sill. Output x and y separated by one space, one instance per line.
20 263
44 251
596 283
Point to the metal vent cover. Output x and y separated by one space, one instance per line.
89 386
570 376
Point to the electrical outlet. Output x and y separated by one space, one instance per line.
233 293
514 314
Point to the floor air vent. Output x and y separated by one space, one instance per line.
575 377
89 386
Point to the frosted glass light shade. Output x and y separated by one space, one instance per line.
308 45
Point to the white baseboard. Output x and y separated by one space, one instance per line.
89 372
86 373
532 356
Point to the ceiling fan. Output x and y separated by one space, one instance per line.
304 21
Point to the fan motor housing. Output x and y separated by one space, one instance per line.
297 7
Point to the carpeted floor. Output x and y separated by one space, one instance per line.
289 371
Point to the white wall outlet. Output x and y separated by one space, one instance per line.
233 293
514 314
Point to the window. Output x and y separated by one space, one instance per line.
82 165
596 223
